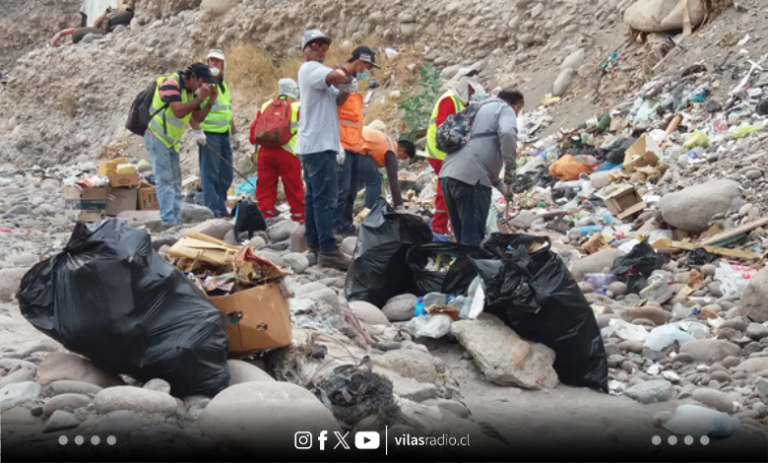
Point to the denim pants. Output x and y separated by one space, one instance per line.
347 175
215 175
370 178
468 207
167 172
320 199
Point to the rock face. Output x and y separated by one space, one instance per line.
709 350
253 416
595 263
504 357
68 366
647 392
244 372
368 313
134 399
754 301
400 308
692 208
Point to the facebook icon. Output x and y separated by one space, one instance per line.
322 438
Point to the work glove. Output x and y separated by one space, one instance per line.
510 177
351 87
200 137
340 157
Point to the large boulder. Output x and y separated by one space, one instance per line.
754 301
662 15
253 416
648 392
282 230
216 228
400 308
503 356
709 350
595 263
244 372
691 209
59 365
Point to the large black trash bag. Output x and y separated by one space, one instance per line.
642 258
534 294
110 297
455 281
379 271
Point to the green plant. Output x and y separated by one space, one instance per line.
418 102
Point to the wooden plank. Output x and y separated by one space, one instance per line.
746 228
631 210
726 252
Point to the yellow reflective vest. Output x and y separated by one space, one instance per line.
165 125
219 119
432 150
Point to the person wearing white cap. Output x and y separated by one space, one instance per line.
318 145
277 158
213 136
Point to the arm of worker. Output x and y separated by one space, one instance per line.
507 132
234 130
202 112
390 160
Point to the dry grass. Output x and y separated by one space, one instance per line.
68 104
253 74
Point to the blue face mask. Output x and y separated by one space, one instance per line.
363 75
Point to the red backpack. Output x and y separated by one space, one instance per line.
273 128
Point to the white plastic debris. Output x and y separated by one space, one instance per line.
662 336
694 420
626 331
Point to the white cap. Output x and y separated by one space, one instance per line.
216 53
288 87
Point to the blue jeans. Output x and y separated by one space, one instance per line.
215 175
370 177
320 199
468 207
345 205
167 172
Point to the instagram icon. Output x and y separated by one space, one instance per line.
302 440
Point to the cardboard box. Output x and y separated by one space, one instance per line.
148 198
121 199
640 154
624 202
108 168
88 205
123 180
257 319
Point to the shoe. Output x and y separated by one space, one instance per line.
314 251
333 259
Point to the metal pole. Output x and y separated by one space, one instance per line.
230 165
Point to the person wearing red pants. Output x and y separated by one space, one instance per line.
275 163
457 97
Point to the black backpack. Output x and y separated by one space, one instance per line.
139 115
248 218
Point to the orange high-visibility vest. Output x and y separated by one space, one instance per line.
377 144
351 123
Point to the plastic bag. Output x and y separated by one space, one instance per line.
662 336
744 130
696 138
695 420
110 297
531 290
379 271
568 168
458 277
735 278
642 258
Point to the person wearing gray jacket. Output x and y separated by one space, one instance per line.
469 174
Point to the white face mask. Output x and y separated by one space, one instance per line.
215 72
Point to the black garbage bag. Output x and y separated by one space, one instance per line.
248 218
614 153
110 297
455 281
531 290
642 258
379 271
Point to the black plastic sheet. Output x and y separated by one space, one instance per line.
110 297
534 294
455 281
379 271
642 258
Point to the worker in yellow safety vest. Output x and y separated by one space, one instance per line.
461 89
213 136
280 162
179 99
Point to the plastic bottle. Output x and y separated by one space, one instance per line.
578 232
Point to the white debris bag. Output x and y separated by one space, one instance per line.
695 420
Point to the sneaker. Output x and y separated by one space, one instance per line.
333 259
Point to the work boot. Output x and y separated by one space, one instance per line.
333 259
314 250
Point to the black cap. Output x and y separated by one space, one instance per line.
202 72
365 54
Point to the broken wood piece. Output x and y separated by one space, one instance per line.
727 234
725 252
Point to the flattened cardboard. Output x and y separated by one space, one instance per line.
639 155
90 205
257 319
148 198
123 180
624 202
121 199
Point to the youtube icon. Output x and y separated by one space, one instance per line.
367 440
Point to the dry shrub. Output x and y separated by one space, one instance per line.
68 104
